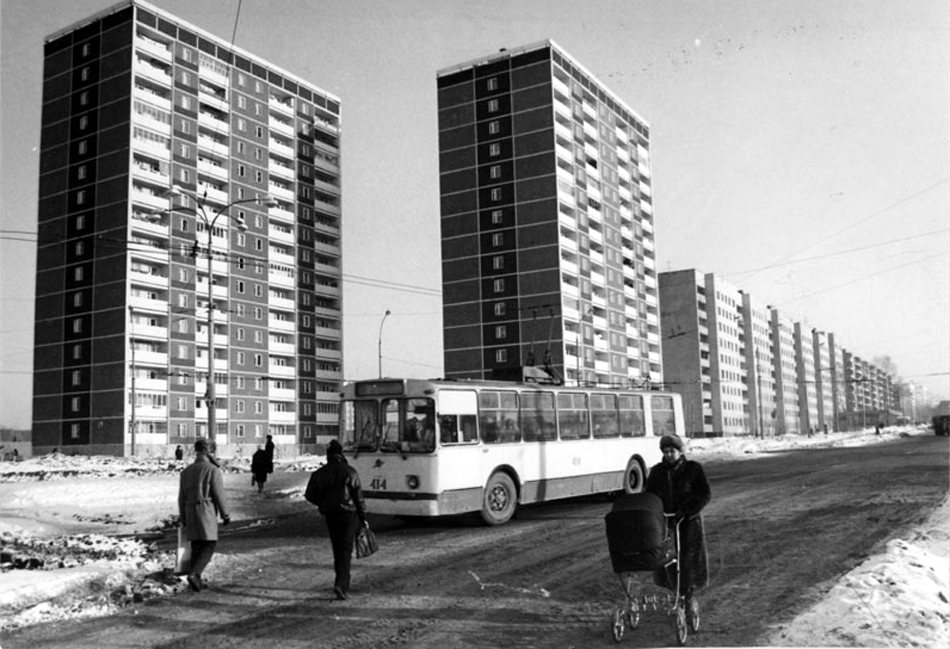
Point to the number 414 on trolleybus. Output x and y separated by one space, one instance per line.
439 447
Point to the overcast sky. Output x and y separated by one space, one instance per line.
799 150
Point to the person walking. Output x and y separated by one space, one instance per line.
179 452
260 467
269 450
335 489
200 502
682 486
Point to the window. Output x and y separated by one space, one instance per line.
499 286
83 122
184 150
239 405
494 149
78 274
84 98
241 170
492 105
499 308
501 332
80 248
77 352
239 334
259 131
498 262
496 194
501 355
77 326
83 147
241 124
77 299
184 102
258 407
495 171
76 377
496 217
84 74
258 360
240 358
86 49
242 101
494 127
498 239
239 286
493 83
75 404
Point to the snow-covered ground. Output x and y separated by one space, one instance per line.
898 598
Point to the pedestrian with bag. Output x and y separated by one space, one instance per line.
335 489
200 502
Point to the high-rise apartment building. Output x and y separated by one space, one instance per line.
189 228
760 365
807 379
787 408
548 254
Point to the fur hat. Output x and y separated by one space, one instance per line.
334 448
673 441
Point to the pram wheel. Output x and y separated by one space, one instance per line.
692 614
619 626
678 617
633 615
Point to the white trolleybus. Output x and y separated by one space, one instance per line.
439 447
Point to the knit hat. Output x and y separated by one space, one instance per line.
673 441
334 448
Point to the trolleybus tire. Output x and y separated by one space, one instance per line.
499 500
634 477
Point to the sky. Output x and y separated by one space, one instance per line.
800 150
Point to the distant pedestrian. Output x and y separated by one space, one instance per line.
179 453
269 449
878 428
682 486
260 467
335 489
200 501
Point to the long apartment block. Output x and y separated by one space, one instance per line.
745 368
147 280
548 254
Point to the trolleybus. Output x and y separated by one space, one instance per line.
438 447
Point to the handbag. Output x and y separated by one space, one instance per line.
366 544
184 553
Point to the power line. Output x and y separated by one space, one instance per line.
855 224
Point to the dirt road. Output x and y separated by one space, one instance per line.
781 530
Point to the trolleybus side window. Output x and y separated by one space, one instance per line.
572 415
631 416
664 422
451 425
538 417
603 415
498 416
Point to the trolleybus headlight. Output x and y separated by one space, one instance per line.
412 481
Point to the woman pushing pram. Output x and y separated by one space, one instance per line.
662 531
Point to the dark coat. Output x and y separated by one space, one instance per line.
201 499
269 450
260 466
336 487
684 490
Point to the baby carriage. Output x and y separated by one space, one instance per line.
641 538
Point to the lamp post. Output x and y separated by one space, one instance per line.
379 343
209 220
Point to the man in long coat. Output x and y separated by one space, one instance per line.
200 502
682 486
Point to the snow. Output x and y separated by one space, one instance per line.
897 598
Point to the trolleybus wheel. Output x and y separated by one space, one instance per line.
679 624
618 627
633 478
500 500
692 614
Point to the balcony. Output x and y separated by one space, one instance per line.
288 371
213 169
277 324
153 72
281 191
279 148
281 127
213 122
282 170
149 173
145 197
281 235
153 47
284 107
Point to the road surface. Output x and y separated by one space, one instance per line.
781 529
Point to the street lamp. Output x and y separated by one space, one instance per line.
209 220
379 342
